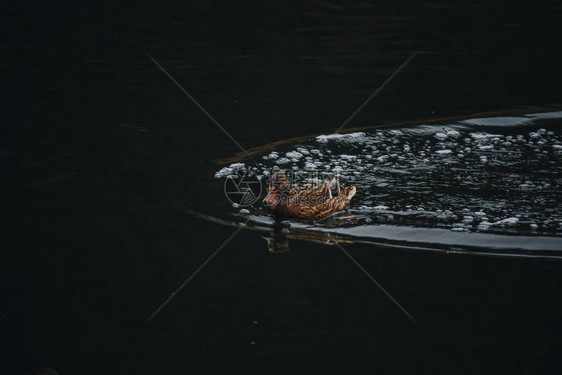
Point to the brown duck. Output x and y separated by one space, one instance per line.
312 202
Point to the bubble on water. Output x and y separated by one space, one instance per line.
294 155
508 221
482 136
459 229
303 150
453 133
468 219
348 157
485 225
231 170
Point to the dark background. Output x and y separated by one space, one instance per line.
95 138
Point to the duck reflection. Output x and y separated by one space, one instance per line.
281 231
278 241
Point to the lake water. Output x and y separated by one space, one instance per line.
112 199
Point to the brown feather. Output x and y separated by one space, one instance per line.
312 202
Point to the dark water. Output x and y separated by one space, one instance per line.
98 148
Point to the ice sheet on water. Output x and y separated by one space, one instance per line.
546 115
349 137
456 176
498 121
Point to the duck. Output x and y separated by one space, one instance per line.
309 202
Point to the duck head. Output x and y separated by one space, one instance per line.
333 186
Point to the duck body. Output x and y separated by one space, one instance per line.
312 202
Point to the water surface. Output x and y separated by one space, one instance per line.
101 153
497 178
